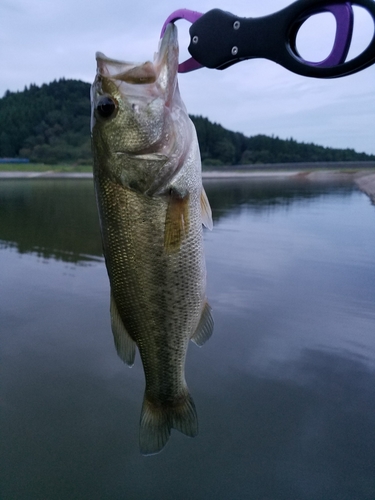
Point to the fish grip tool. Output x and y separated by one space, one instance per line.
219 39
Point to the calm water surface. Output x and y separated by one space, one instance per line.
285 388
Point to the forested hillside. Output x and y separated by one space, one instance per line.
220 146
51 124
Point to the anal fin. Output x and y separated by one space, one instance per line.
205 327
125 345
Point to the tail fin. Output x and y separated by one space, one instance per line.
157 422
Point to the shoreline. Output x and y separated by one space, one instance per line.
86 175
210 174
362 178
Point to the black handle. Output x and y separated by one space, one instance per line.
220 39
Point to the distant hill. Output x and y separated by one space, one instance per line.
51 124
48 124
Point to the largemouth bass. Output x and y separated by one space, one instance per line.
151 203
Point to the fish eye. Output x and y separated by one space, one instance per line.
106 107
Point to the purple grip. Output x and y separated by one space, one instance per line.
191 16
344 20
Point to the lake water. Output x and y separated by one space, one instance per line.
284 389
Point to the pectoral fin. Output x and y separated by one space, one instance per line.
206 211
176 222
205 327
125 345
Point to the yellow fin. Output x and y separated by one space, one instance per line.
206 210
176 222
125 345
205 326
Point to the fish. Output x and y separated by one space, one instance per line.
152 204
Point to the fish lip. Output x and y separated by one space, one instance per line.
122 70
167 42
169 38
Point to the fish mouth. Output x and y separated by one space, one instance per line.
145 73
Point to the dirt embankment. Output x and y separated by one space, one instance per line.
363 180
366 183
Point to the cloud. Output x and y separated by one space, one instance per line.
42 41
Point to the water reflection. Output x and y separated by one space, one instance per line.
285 388
58 218
51 218
267 194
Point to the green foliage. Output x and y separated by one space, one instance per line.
233 148
51 124
48 124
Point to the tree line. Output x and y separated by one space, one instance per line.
51 124
47 124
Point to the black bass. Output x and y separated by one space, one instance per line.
151 203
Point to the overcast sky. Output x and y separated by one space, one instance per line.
43 40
